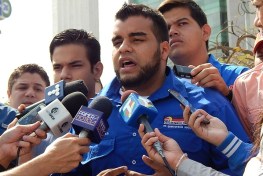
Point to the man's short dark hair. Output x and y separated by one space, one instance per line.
27 68
195 11
80 37
159 26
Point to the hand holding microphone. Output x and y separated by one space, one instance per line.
11 139
139 110
65 153
215 132
171 149
57 116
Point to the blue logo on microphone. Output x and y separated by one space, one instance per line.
55 91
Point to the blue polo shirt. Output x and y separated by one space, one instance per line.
122 143
228 72
7 115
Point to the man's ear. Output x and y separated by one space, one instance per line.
8 93
206 32
165 49
97 70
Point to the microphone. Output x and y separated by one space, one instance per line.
58 90
91 121
57 116
139 110
32 116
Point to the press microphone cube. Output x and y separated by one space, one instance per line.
56 117
55 91
92 121
136 106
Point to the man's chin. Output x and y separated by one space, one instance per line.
129 82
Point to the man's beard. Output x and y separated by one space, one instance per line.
146 73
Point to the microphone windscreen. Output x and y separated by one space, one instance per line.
76 86
103 104
125 95
74 101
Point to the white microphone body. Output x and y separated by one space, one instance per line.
56 118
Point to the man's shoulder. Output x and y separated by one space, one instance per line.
226 66
251 75
6 110
205 96
258 70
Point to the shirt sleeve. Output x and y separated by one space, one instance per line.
189 167
7 115
237 153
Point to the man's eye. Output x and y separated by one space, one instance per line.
138 40
39 90
76 65
116 43
22 88
182 23
56 68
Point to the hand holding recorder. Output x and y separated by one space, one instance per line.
215 132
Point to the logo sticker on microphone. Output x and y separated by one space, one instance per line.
52 112
90 120
135 106
55 91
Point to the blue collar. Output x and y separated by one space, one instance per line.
171 82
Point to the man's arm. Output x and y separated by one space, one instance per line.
182 165
206 75
217 134
190 167
15 137
60 157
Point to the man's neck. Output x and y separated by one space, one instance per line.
149 87
194 60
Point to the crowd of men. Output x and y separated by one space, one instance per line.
227 96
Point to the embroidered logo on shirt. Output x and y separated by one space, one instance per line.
174 122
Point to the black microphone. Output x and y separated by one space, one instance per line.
57 116
91 121
58 90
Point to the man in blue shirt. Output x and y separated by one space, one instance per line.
26 85
188 38
140 52
7 115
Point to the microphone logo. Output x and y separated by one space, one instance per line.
53 112
128 108
132 103
91 120
87 117
135 106
63 126
145 102
55 91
